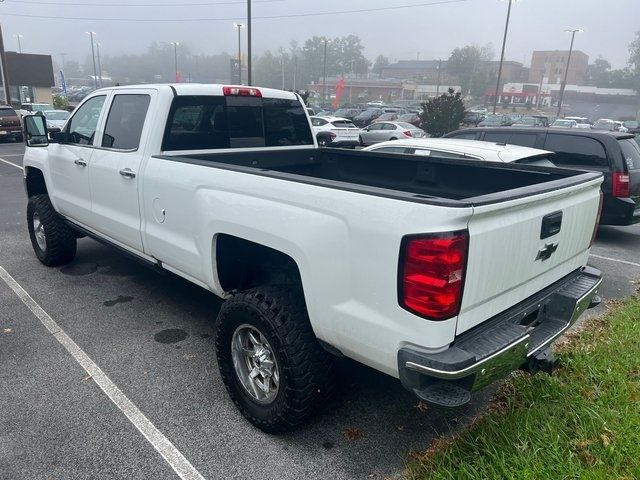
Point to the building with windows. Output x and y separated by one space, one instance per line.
548 66
30 78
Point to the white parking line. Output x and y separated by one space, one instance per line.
169 452
616 260
13 155
10 163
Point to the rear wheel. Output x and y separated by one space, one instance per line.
54 243
322 142
270 361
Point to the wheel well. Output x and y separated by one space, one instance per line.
242 264
35 182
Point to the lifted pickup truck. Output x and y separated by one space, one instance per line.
444 273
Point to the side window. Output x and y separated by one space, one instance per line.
574 150
523 139
389 126
83 123
497 137
125 121
375 126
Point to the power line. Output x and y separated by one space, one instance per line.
226 19
74 4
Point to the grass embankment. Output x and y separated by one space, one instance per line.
582 422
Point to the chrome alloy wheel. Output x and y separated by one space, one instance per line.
38 232
255 364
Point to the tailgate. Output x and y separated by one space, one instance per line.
508 261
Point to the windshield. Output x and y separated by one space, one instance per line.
53 115
7 112
631 124
343 124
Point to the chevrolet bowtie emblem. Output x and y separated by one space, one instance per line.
547 251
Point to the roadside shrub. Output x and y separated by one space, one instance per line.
60 102
442 114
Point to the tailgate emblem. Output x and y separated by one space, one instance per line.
546 252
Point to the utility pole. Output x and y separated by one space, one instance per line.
93 57
175 58
19 37
438 81
99 64
504 42
573 32
249 81
5 72
239 26
324 72
295 71
282 71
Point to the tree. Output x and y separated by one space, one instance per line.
634 62
470 65
378 65
442 114
599 73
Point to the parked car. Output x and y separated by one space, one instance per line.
335 132
472 119
620 127
614 153
527 121
27 108
479 109
10 126
412 118
632 126
365 118
581 122
564 123
56 118
543 120
349 113
604 124
495 120
465 149
383 131
446 274
387 117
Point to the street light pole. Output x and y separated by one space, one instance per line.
239 26
175 58
93 58
99 64
324 72
249 76
438 82
19 36
295 71
573 32
504 42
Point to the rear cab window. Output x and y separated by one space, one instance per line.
631 153
577 151
202 122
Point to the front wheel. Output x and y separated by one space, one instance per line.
54 243
322 142
271 363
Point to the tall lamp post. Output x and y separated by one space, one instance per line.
239 26
504 42
19 37
93 58
573 32
249 76
175 58
99 64
324 71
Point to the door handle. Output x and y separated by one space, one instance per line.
128 173
81 162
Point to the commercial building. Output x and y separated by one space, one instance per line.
548 66
30 78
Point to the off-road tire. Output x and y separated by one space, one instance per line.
60 239
306 369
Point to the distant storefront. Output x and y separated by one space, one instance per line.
30 78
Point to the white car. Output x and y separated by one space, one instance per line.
56 118
444 274
29 108
335 131
465 149
581 122
383 131
564 123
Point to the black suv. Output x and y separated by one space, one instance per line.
615 154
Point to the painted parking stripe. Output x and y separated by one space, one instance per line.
164 447
10 163
616 260
13 155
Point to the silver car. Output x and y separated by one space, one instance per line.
384 131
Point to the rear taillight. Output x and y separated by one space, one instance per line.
432 269
408 133
595 227
620 185
241 92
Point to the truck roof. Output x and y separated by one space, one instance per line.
580 132
205 89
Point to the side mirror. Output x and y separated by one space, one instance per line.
35 131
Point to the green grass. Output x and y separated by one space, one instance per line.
581 423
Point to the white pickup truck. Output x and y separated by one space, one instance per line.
444 273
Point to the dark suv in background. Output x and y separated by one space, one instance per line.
10 125
615 154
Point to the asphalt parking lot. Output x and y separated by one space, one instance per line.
150 335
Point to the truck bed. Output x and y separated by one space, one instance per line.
441 181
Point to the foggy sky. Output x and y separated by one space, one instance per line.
432 31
